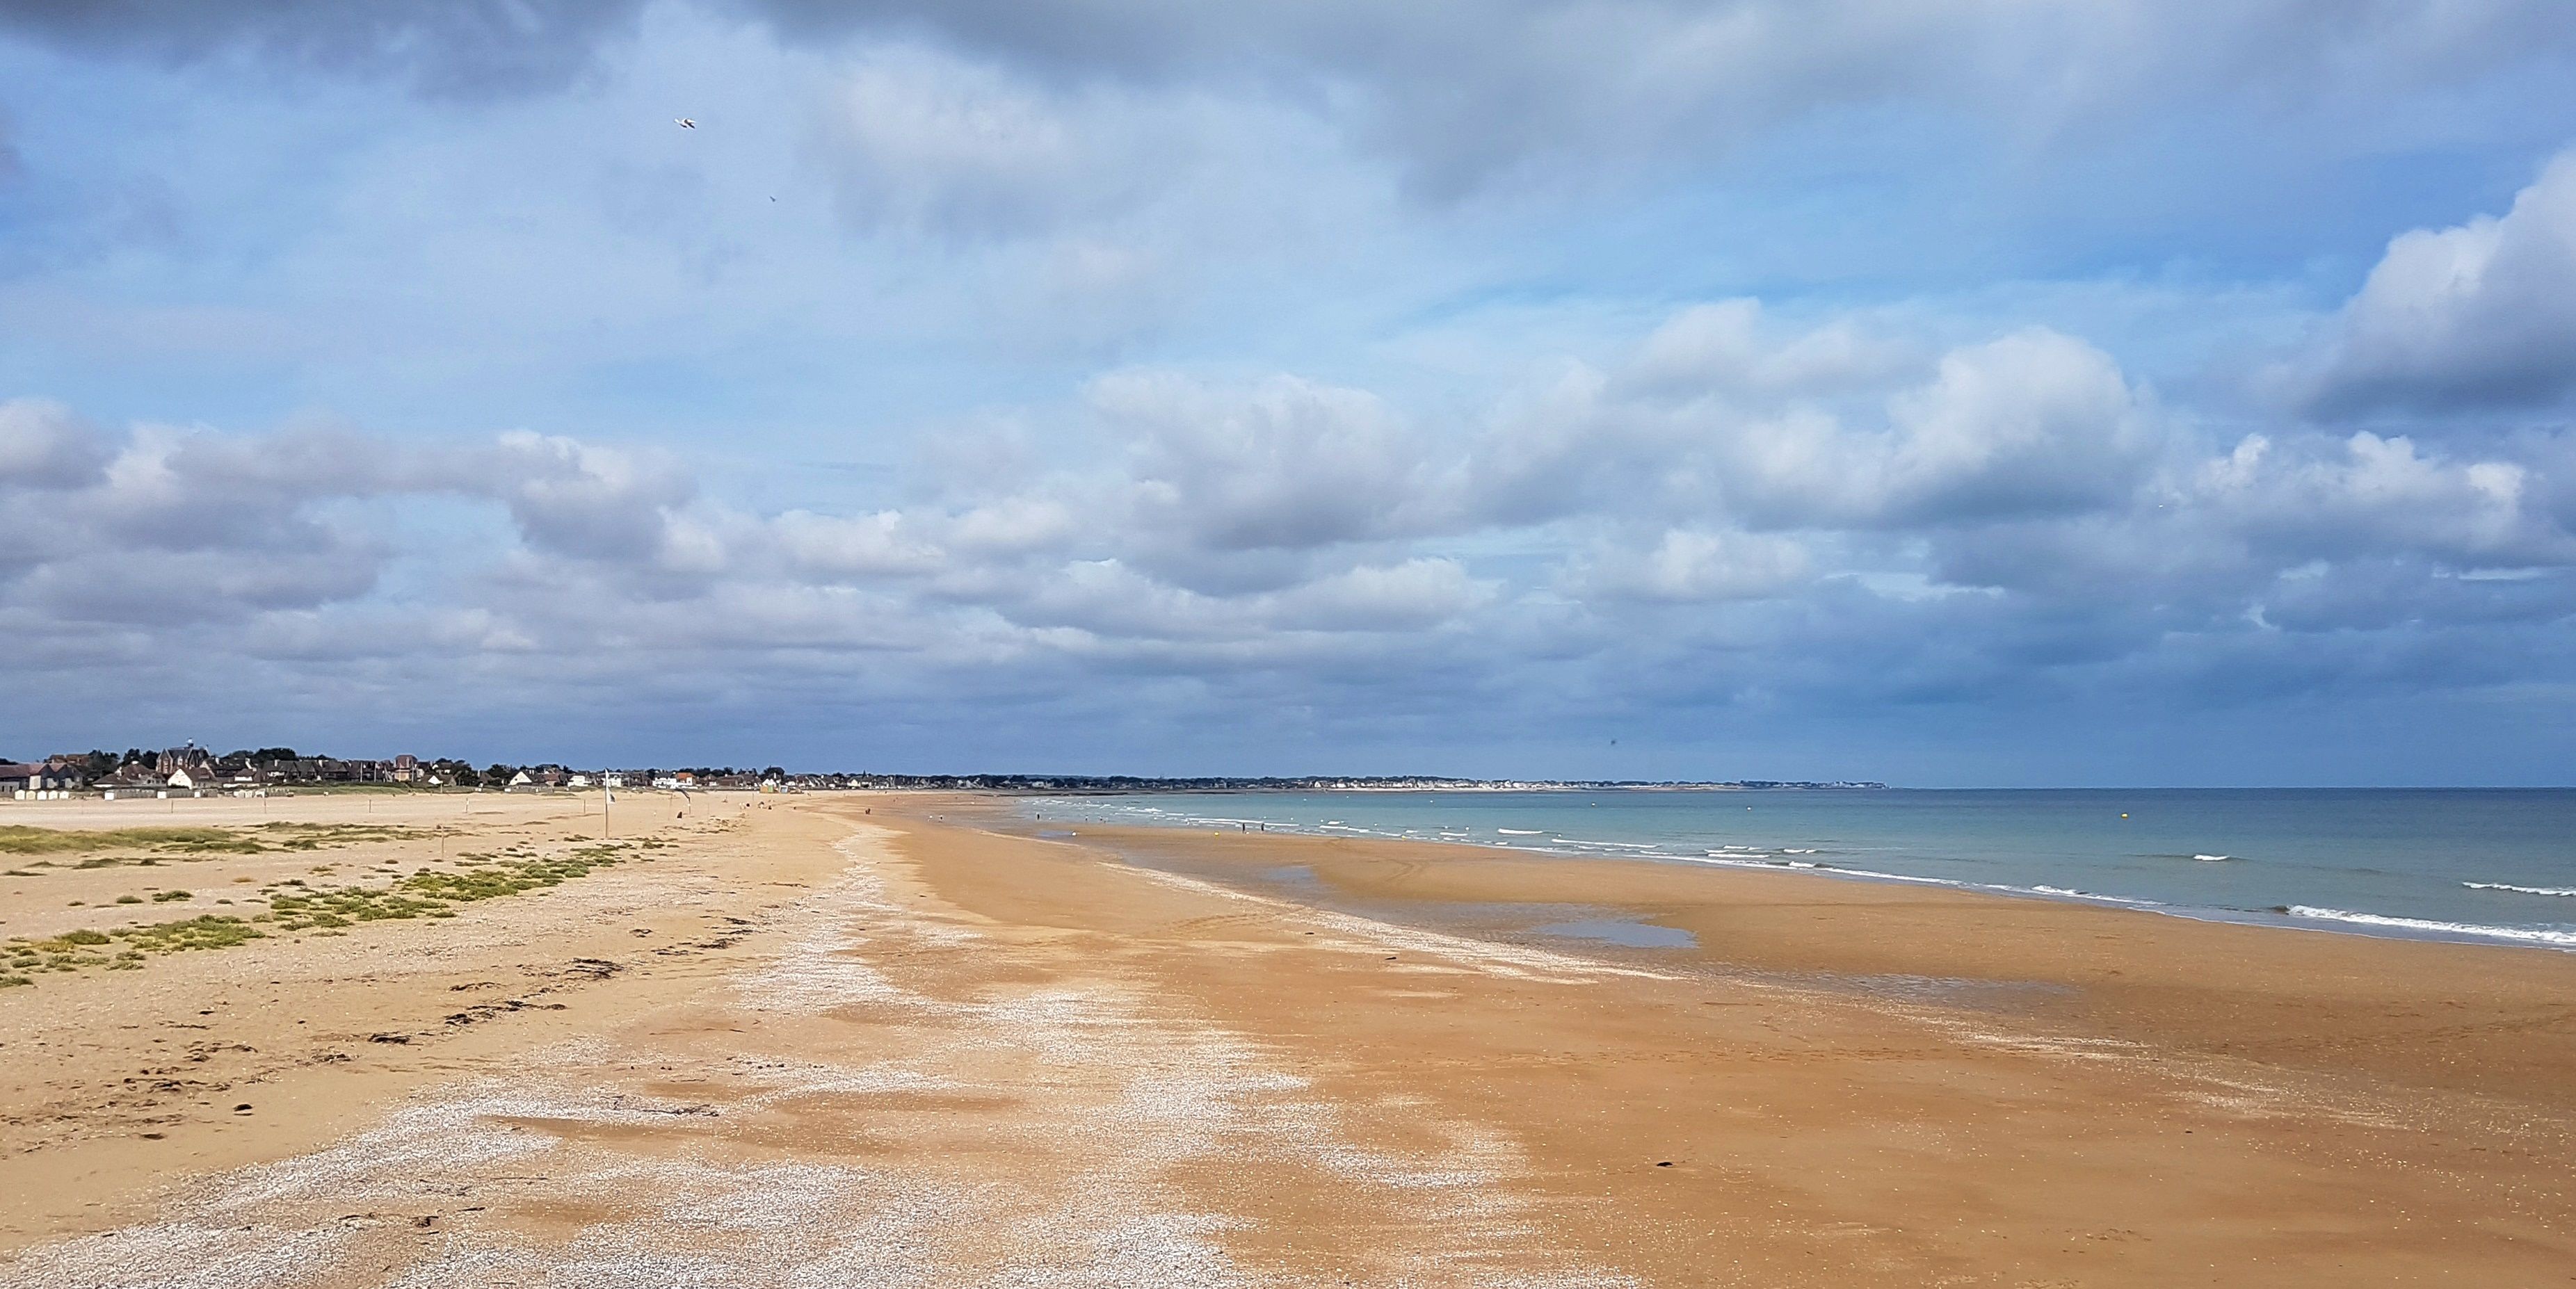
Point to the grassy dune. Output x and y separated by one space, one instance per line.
296 906
21 839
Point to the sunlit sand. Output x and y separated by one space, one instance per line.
828 1041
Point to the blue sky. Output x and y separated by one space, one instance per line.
1989 392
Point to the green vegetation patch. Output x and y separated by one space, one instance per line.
69 951
73 950
489 877
296 836
297 906
338 906
23 839
431 892
205 931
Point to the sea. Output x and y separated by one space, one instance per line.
2489 866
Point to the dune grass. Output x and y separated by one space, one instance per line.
298 907
431 892
110 847
125 948
23 839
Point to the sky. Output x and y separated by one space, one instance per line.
1984 392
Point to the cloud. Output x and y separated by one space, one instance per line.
573 498
2478 315
1730 519
442 47
43 446
1829 428
932 144
2382 496
1282 464
1465 92
2032 423
1728 345
1696 566
1416 595
1459 94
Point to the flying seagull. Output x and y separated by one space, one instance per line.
684 123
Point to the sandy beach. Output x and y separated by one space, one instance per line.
885 1039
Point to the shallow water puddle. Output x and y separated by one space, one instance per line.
1621 931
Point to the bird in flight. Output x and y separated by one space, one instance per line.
684 123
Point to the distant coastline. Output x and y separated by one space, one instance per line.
1120 783
195 771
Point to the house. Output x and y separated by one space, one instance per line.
49 777
521 780
188 757
133 775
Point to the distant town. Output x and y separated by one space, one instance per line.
190 770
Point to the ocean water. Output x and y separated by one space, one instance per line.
2492 866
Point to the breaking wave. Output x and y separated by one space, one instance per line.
2520 890
2517 934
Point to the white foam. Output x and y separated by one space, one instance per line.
2521 890
2519 934
2212 859
1520 832
1900 877
2065 894
1727 861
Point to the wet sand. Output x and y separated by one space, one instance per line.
833 1041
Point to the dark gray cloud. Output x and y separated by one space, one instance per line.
441 47
1460 91
44 446
1465 90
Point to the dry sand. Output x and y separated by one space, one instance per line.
855 1041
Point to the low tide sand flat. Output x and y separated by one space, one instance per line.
836 1041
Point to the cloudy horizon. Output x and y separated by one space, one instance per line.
1964 394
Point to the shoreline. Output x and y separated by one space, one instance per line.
2300 916
2335 1001
875 1039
